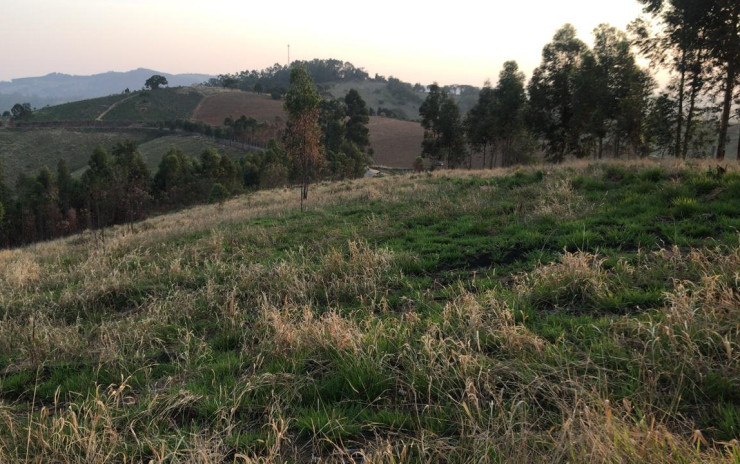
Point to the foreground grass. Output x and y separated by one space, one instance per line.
588 313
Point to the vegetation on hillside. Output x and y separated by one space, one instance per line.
117 187
583 313
84 110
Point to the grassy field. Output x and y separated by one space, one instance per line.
28 151
582 313
219 105
84 110
157 105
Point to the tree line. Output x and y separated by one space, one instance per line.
597 101
323 139
275 79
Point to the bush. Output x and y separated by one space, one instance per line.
218 194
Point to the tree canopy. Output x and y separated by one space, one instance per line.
155 82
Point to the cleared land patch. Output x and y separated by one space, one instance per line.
215 108
396 143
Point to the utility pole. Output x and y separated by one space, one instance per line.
289 55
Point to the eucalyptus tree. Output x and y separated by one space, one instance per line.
551 94
675 36
443 130
303 133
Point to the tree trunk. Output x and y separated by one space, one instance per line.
690 116
726 106
679 115
729 85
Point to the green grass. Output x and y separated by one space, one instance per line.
165 104
27 151
580 313
30 150
83 110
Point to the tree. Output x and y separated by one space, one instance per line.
155 82
131 183
174 182
722 20
443 130
551 90
359 117
21 112
479 122
624 87
509 104
303 134
675 37
661 124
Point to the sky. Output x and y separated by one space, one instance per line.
455 42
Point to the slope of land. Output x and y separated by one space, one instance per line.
396 143
157 105
83 110
28 151
222 104
376 95
56 88
585 313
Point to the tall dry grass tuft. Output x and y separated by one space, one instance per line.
297 329
335 277
18 269
577 280
558 199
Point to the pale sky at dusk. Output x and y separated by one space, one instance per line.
461 41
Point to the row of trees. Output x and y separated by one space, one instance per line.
579 102
322 139
698 41
276 79
596 101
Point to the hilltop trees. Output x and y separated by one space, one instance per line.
155 82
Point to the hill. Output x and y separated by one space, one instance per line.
396 143
581 313
57 88
28 151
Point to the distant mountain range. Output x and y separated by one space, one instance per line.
56 88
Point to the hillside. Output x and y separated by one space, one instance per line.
376 95
28 151
57 88
396 143
584 313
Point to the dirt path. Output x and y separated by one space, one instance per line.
101 115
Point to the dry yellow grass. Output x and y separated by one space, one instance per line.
510 393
